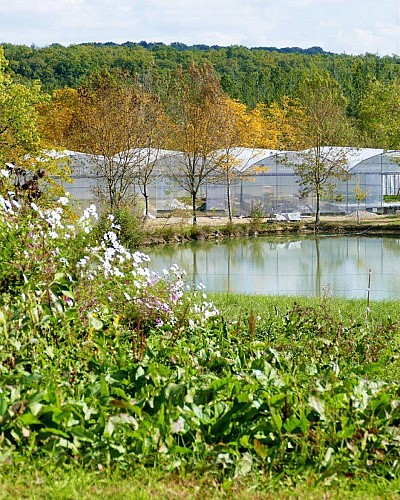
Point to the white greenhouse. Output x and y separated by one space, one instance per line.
261 178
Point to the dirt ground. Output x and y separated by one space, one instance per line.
222 221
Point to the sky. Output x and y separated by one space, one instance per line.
340 26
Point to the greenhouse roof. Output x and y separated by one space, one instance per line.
356 156
141 154
246 157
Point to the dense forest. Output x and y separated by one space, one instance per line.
250 75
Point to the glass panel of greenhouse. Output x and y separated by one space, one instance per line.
261 179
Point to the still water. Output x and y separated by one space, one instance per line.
310 266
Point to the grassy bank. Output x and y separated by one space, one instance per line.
296 396
236 306
180 229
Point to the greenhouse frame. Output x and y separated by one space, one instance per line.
261 178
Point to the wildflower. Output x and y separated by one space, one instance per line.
83 262
68 301
63 200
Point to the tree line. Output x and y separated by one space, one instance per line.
249 75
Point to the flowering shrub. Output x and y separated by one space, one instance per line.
38 243
138 297
108 284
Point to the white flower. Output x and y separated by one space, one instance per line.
82 262
63 201
4 172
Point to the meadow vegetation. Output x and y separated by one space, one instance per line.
118 380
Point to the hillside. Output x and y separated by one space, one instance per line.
252 75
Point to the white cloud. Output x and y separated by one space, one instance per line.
352 26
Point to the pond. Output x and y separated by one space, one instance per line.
308 266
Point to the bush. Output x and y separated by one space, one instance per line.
126 223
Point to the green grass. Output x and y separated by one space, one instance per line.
235 306
39 483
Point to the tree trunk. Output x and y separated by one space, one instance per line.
228 194
317 211
146 202
194 209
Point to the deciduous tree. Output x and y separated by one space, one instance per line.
56 115
380 115
114 124
240 130
154 126
21 146
196 106
278 126
328 134
20 140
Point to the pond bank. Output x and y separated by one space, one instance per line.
169 230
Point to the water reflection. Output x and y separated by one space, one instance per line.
308 266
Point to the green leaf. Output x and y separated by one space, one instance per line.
180 450
291 424
82 434
28 419
53 432
260 449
